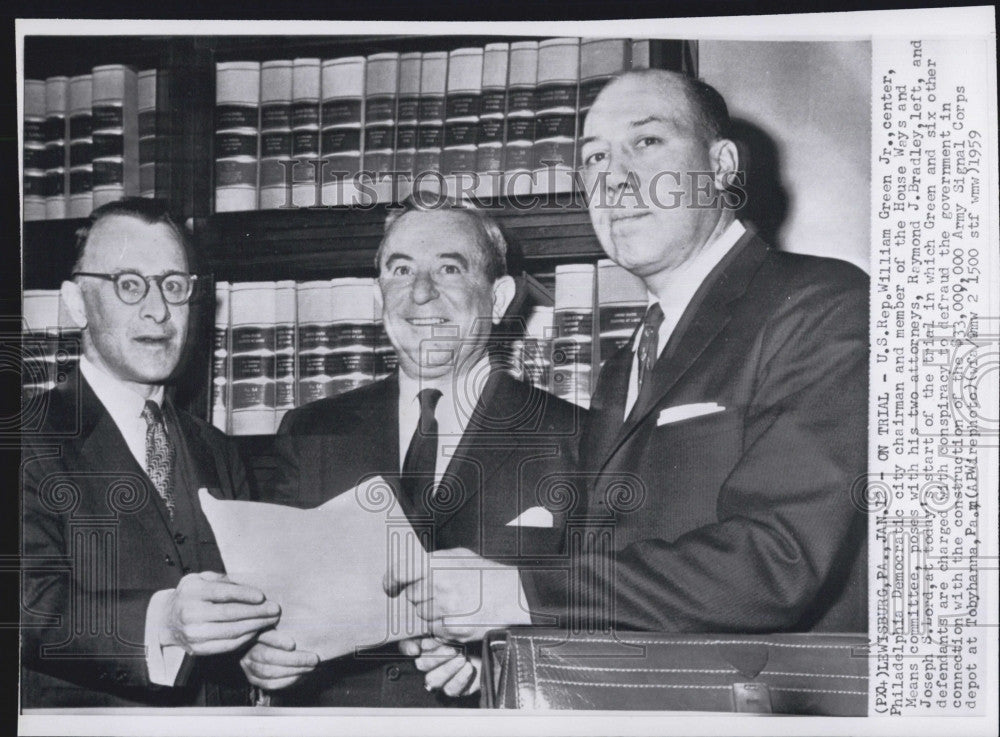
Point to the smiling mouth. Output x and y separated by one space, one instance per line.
628 215
152 340
426 321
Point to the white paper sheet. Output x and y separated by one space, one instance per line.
324 566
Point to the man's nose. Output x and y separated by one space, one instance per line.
424 288
619 166
153 305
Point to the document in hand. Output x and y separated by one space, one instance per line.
324 566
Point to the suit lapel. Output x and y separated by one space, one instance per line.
103 449
607 409
708 313
479 454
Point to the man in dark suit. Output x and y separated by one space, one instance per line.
123 601
473 455
724 442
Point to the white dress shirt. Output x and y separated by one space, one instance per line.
459 397
684 282
125 408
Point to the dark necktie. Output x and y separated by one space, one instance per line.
421 456
649 341
160 454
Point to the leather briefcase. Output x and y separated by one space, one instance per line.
535 668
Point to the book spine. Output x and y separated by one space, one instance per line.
520 133
461 127
81 157
149 133
116 133
56 150
237 129
600 60
343 90
640 48
275 133
492 121
305 132
35 152
284 350
554 149
430 129
252 386
572 350
407 118
221 366
39 342
536 353
353 335
313 301
621 306
381 92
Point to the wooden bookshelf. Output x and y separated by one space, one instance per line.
300 244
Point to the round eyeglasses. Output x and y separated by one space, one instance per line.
132 287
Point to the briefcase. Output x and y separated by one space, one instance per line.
536 668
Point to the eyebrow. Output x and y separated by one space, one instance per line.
632 124
454 255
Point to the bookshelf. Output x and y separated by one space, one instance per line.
301 244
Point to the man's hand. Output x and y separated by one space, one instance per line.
208 614
273 662
464 596
446 666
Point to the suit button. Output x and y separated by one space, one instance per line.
168 560
121 676
179 538
392 673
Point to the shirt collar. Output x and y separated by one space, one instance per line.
469 383
121 402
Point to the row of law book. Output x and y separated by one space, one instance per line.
282 344
498 120
50 347
89 140
581 344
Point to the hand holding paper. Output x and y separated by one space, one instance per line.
463 595
324 566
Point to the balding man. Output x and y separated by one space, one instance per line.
470 451
725 439
124 600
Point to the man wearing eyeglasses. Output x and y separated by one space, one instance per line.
124 599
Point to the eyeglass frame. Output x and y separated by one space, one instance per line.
158 278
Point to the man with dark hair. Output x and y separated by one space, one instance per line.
124 601
724 440
467 449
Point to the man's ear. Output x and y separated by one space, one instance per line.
72 299
725 161
503 295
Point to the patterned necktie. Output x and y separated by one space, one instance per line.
160 454
649 341
421 456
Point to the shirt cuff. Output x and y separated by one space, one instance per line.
163 661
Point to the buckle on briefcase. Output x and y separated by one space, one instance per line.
752 698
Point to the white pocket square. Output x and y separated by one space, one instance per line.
534 517
686 412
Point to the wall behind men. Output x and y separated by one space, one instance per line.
804 111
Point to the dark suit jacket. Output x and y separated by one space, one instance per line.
97 544
518 444
741 520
